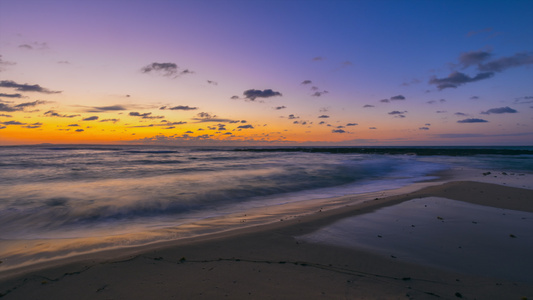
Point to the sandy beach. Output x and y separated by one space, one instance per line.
271 262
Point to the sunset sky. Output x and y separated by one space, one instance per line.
231 72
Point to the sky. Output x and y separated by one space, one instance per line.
266 73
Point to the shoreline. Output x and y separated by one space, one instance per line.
275 242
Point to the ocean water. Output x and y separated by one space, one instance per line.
61 193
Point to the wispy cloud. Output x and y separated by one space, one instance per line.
179 107
501 64
145 115
456 79
91 118
26 87
167 69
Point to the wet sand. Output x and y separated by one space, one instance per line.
269 262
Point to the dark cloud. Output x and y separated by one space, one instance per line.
474 98
10 95
52 113
338 131
423 128
26 87
165 69
398 97
34 125
73 125
441 111
456 79
306 82
110 120
179 107
501 64
246 126
205 115
30 104
234 97
91 118
13 123
79 130
280 107
472 58
145 115
291 116
500 110
384 100
460 114
4 115
473 120
212 82
368 105
21 106
253 94
323 116
352 124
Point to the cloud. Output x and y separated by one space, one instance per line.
246 126
234 97
73 125
92 118
456 79
165 69
473 120
352 124
34 125
472 58
460 114
10 95
31 104
13 123
384 100
500 110
323 116
106 108
52 113
338 131
145 115
21 106
441 111
280 107
79 130
396 112
501 64
4 115
318 58
179 107
253 94
34 46
306 82
5 63
368 105
423 128
291 116
212 82
26 87
398 97
318 94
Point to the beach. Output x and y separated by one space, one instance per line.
270 262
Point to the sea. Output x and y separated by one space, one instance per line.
58 200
